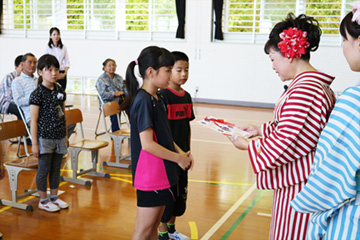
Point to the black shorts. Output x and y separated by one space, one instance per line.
155 198
180 190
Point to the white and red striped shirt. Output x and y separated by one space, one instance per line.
284 154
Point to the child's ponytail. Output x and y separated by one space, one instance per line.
152 56
132 86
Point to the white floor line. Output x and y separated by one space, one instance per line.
264 214
223 219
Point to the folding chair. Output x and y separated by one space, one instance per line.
98 120
74 116
28 136
100 113
14 129
113 108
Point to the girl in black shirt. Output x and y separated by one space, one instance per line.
48 131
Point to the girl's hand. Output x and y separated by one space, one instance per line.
35 150
252 129
239 142
184 161
192 160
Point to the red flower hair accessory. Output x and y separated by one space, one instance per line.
356 12
293 42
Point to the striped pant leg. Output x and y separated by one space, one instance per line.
286 223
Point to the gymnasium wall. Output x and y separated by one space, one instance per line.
227 73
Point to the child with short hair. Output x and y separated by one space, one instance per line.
180 113
332 193
48 131
154 155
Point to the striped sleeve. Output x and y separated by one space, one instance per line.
267 128
301 120
332 178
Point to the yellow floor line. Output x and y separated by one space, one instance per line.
21 201
121 175
120 179
223 219
221 182
193 230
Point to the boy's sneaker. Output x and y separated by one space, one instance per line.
49 207
60 203
178 236
163 236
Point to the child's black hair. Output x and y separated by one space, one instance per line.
60 44
180 56
151 56
45 62
302 22
347 25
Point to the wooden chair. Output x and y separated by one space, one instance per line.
74 116
2 119
14 129
101 101
113 108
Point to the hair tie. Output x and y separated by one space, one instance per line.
137 75
136 62
293 42
356 12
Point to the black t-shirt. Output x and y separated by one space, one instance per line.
148 112
51 122
180 113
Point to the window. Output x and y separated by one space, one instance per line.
252 20
92 15
253 16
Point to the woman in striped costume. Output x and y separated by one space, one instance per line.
282 156
332 193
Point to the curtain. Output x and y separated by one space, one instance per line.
180 11
218 8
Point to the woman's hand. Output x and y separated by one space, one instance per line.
118 93
252 129
35 150
239 142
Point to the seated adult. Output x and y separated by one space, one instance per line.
25 84
111 87
7 104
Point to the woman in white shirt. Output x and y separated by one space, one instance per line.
58 49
